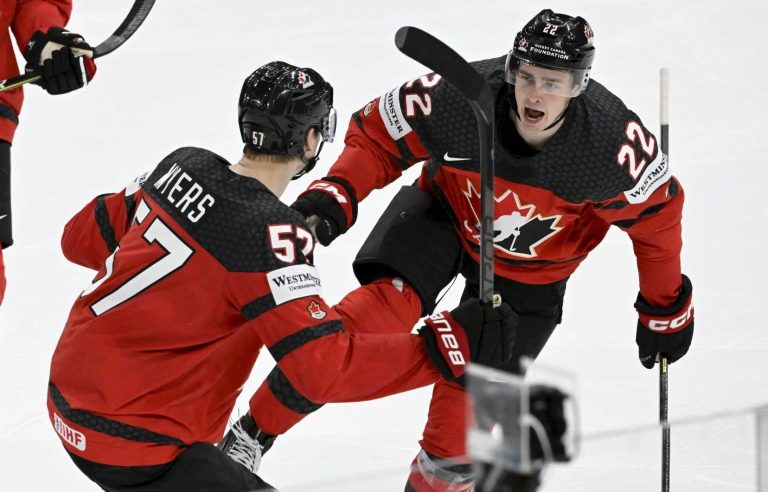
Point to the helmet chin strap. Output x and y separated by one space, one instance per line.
559 118
309 164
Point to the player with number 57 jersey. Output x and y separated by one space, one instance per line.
200 266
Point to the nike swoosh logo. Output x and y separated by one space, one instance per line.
448 158
3 216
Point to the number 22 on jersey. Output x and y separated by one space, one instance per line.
177 252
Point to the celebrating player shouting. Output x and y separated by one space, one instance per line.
571 160
200 266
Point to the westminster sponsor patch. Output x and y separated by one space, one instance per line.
655 174
392 115
293 282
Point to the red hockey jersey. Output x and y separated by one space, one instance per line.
22 18
602 168
198 268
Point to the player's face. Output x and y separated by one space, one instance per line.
539 94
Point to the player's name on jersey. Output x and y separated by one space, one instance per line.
183 192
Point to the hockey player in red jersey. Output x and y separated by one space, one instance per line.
199 267
47 47
571 160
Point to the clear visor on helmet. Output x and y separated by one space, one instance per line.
329 126
548 80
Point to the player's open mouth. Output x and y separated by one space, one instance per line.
532 116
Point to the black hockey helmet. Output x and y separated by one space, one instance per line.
279 104
556 41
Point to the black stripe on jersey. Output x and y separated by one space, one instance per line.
108 426
302 337
652 210
673 188
358 121
105 226
130 207
288 395
8 113
612 205
259 306
405 151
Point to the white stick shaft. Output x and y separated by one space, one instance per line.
664 79
664 109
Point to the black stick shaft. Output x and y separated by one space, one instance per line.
664 362
440 58
663 418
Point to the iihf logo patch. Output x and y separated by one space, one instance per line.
518 229
522 45
316 311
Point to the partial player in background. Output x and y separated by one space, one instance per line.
200 266
64 62
571 161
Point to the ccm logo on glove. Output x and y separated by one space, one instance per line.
329 188
668 324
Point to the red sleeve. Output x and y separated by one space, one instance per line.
344 366
384 306
383 138
322 360
650 212
95 231
38 15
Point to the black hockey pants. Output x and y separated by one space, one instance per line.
199 468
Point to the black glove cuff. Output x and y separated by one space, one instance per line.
430 345
350 193
35 47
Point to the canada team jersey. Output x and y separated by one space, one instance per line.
601 168
198 269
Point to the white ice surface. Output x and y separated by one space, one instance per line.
176 83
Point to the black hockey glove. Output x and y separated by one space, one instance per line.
472 332
63 59
333 203
665 331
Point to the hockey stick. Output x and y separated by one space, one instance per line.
440 58
135 17
664 363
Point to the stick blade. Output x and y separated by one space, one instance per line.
441 58
130 24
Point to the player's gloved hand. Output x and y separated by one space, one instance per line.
330 206
665 331
473 332
62 58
